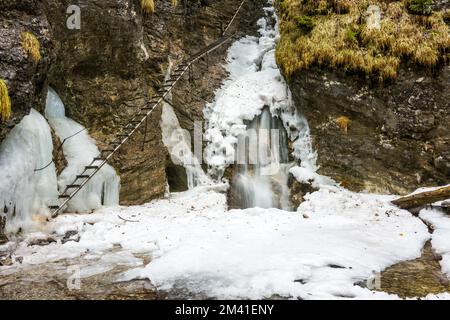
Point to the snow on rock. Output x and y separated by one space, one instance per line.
254 82
195 244
79 150
25 193
441 235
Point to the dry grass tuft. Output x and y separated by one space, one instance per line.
343 122
174 3
31 46
5 102
333 34
148 6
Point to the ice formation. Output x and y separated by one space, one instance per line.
25 194
178 144
256 96
79 151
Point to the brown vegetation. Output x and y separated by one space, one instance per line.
334 34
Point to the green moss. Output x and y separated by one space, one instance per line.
422 7
352 35
305 23
446 16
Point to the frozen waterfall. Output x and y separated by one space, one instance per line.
79 150
25 194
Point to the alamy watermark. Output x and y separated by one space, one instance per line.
74 279
252 147
73 21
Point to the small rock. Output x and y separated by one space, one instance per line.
19 259
6 261
420 79
305 216
41 241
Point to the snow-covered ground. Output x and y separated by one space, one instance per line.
336 239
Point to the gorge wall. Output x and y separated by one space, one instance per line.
111 66
372 78
383 138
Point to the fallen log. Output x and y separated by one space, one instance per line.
423 198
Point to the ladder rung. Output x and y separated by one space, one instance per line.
53 207
64 196
99 159
108 150
73 186
82 176
91 167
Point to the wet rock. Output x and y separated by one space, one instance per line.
41 241
3 237
6 260
298 190
71 235
398 139
26 80
415 278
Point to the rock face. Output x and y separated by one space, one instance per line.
390 138
108 68
111 66
26 80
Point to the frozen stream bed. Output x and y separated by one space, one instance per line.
190 243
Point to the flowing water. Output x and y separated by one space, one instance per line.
261 175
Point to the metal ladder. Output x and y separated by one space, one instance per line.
131 127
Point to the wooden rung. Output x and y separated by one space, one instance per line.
91 167
98 159
64 196
73 185
53 207
82 176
